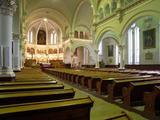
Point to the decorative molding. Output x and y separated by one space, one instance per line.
7 7
120 12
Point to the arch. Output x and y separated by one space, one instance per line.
83 28
137 16
59 18
82 45
77 11
83 55
107 33
40 24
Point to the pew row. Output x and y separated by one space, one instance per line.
71 109
152 101
115 87
102 84
133 95
30 87
35 96
92 80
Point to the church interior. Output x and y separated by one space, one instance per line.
79 60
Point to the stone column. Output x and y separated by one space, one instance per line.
97 59
122 64
7 7
16 52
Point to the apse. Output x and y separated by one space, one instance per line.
44 38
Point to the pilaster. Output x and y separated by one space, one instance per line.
97 58
122 63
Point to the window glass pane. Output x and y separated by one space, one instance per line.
130 47
133 45
51 38
55 38
137 45
100 48
31 37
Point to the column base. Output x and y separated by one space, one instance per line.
123 68
97 67
7 76
17 69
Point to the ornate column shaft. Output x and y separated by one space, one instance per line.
97 59
7 7
16 52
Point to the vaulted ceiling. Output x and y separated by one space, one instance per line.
63 12
65 7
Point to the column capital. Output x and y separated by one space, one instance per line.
121 46
7 7
96 51
16 36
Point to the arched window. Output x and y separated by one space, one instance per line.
53 40
101 16
114 5
133 45
41 38
76 34
107 10
81 35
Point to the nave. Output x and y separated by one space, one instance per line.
101 108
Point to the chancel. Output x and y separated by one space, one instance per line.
79 60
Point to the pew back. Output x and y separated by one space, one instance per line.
71 109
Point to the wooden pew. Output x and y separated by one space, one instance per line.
78 79
115 87
71 109
121 116
84 81
102 84
30 87
133 95
28 83
152 101
92 83
35 96
33 80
